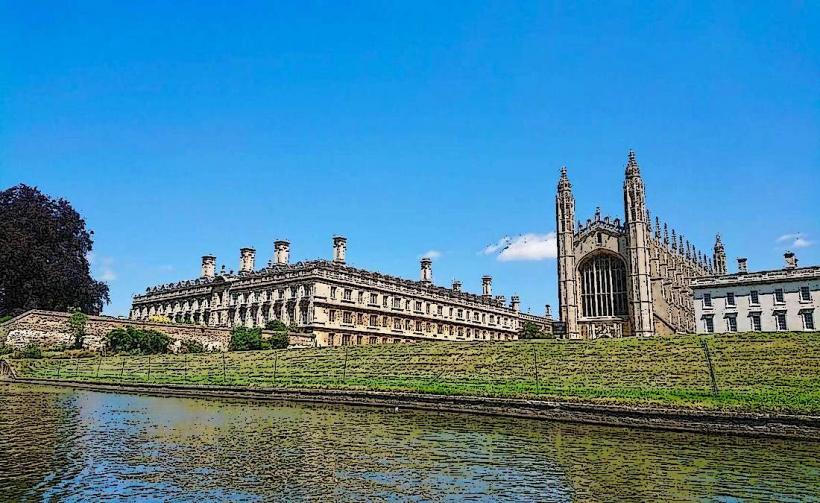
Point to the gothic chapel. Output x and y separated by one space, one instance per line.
617 279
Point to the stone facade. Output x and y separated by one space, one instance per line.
337 303
620 278
777 300
49 329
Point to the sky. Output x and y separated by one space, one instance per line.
179 129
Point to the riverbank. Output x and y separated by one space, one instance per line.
749 373
794 426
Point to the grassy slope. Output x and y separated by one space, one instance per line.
757 372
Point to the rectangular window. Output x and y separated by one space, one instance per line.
360 319
332 292
360 298
385 299
427 307
709 324
731 324
439 310
754 298
330 339
348 294
778 296
374 299
418 306
460 314
805 294
397 323
374 320
707 300
756 327
418 326
372 340
808 320
331 316
730 299
780 321
347 317
396 303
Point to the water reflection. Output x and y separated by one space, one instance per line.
59 444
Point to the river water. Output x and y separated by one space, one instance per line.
58 444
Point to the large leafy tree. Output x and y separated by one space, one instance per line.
44 248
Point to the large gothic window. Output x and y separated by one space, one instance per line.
603 286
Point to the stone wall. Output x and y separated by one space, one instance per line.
49 329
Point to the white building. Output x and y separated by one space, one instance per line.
769 301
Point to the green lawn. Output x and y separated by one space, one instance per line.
753 372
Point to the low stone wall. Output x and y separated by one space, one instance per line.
49 329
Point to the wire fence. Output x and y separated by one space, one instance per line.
699 365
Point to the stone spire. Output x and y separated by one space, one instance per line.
719 256
563 181
674 240
565 230
665 234
657 228
632 169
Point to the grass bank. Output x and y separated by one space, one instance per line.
749 372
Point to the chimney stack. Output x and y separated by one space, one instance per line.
426 270
741 265
516 303
791 260
487 286
339 249
208 266
281 252
247 259
548 312
456 285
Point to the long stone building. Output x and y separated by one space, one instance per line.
619 278
337 303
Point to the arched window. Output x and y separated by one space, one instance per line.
603 286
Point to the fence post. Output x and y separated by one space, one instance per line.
59 366
275 360
185 369
99 362
344 368
122 370
223 368
705 346
76 368
535 366
149 369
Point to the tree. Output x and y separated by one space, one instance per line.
276 325
44 255
77 322
531 331
245 339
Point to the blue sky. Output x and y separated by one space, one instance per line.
183 128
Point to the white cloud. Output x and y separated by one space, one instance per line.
105 270
528 246
431 254
795 240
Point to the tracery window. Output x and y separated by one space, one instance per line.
603 286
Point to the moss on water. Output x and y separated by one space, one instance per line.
753 372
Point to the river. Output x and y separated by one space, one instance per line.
59 444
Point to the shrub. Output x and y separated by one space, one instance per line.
30 351
5 318
134 340
4 350
276 325
245 339
159 318
191 346
278 340
77 322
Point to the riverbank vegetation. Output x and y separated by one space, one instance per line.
747 372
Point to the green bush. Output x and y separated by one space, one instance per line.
134 340
77 322
278 340
276 325
30 351
4 350
5 318
191 346
245 339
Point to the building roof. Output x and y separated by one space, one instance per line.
758 277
